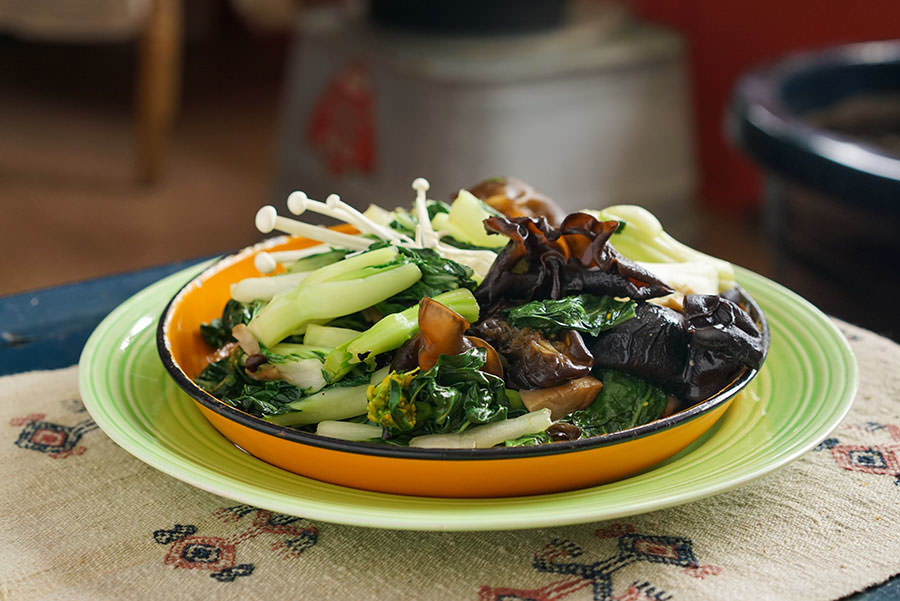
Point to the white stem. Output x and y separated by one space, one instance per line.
289 256
250 289
360 221
298 203
479 260
425 236
267 219
488 435
245 338
348 430
267 262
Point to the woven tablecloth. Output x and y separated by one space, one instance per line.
91 523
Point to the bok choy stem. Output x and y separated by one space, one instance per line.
264 288
318 299
488 435
333 403
392 331
643 239
348 430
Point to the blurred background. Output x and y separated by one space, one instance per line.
139 132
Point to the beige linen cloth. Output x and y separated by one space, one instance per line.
92 523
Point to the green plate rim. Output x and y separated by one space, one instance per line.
393 511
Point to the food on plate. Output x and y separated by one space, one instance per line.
515 198
491 320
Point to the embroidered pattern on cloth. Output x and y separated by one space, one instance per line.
55 440
217 555
881 457
560 556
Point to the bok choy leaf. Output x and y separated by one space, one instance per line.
586 313
624 402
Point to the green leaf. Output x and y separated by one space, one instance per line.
354 321
226 380
322 259
466 245
405 222
278 358
217 332
460 393
449 397
439 275
266 398
529 440
585 312
624 402
357 377
219 379
435 207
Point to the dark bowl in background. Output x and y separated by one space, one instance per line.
825 128
469 17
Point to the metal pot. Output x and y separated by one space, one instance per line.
825 127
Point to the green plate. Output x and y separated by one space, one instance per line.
804 389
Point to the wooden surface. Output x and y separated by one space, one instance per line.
71 208
158 82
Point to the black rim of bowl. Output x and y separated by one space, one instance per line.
381 450
764 123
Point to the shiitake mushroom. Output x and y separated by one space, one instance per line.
532 360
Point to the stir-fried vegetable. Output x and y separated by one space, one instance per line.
464 222
623 402
390 332
450 396
348 430
227 380
252 289
487 436
218 332
333 291
328 336
528 440
457 326
438 275
643 239
585 313
339 401
299 364
313 262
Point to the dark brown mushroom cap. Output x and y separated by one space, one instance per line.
532 359
542 262
693 354
441 332
722 340
652 345
563 431
562 400
515 198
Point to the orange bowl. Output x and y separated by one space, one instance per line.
496 472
